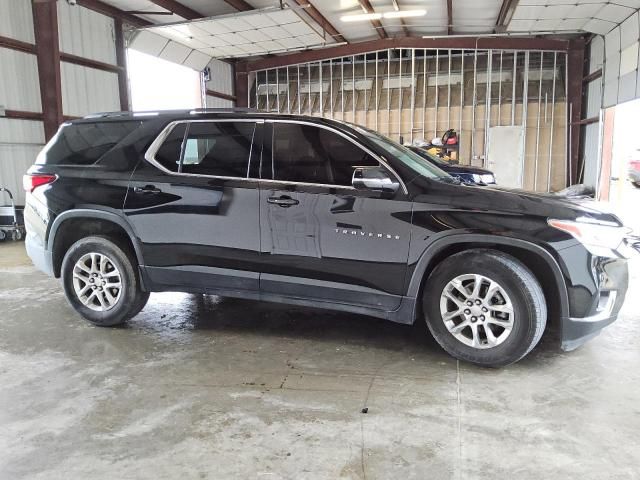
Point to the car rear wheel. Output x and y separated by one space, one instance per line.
101 283
485 307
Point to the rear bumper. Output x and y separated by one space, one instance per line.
40 256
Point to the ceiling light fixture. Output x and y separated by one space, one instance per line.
405 13
377 16
361 17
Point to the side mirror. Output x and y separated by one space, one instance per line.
374 178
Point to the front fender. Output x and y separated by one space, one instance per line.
426 261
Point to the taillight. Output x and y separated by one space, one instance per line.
31 182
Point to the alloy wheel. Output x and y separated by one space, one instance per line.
97 282
477 311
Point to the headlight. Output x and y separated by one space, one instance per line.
476 178
488 178
601 239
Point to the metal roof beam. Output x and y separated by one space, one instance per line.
504 15
113 12
178 8
454 43
240 5
396 7
321 20
367 8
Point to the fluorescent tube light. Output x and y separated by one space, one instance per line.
405 13
360 17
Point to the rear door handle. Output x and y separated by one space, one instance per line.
147 189
283 201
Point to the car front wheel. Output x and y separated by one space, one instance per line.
485 307
101 283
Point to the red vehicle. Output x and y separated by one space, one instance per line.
634 172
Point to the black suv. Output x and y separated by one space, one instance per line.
315 212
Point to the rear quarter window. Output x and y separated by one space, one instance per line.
85 143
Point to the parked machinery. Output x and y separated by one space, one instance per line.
11 219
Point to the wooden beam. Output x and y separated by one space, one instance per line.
449 17
6 42
178 8
506 10
225 96
592 76
113 12
575 66
367 8
240 5
22 115
121 60
454 43
241 80
587 121
45 26
321 20
87 62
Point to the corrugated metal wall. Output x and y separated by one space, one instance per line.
82 32
90 35
621 73
618 55
591 134
20 140
221 77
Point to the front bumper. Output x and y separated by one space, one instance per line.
613 279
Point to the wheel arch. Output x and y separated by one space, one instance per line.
542 264
88 222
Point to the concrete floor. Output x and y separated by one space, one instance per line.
199 387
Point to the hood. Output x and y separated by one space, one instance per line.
466 169
493 199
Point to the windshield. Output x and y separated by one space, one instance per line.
411 159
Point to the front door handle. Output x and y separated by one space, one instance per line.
147 189
283 201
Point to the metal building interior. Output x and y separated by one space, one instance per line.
526 84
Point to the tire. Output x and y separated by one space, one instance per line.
636 184
102 305
514 312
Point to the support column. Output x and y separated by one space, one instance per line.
241 84
121 60
45 22
575 66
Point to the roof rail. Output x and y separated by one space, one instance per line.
179 111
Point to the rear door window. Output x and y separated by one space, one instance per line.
168 155
220 149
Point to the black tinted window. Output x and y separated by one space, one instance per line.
218 148
85 143
168 155
304 153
